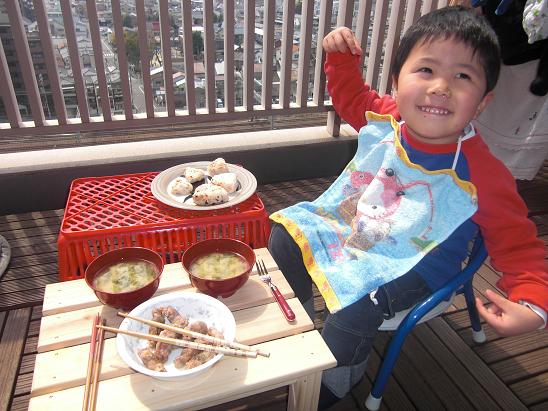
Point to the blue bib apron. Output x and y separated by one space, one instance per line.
379 218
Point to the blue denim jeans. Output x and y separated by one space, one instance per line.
350 332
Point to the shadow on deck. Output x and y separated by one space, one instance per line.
440 366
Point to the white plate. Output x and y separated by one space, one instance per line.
162 182
197 307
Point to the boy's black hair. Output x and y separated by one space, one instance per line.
461 24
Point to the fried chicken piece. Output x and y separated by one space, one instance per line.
163 349
199 359
158 316
175 318
212 331
149 359
199 327
170 312
185 357
180 321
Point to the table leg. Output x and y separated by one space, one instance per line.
304 393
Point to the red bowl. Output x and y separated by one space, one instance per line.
224 287
131 299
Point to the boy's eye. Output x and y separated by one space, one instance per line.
425 70
463 76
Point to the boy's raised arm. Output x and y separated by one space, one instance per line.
350 96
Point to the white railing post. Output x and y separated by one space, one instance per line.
25 61
333 124
144 56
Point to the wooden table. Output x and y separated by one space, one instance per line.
298 353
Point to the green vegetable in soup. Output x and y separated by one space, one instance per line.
218 266
125 276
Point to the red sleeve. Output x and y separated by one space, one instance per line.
510 236
350 96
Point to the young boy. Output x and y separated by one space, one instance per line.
443 75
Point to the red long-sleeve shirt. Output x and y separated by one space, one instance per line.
510 237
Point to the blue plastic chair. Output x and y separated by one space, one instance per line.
434 305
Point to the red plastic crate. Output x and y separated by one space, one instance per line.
105 213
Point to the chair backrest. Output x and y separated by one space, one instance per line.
442 298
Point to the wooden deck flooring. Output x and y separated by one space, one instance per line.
440 366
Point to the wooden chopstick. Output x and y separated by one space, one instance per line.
97 365
183 343
178 330
91 359
94 364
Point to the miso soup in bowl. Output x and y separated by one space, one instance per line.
219 267
125 277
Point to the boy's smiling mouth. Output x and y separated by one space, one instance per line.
434 110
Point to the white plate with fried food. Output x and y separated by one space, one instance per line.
196 312
204 185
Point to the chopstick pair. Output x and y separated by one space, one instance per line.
221 342
182 343
94 364
231 344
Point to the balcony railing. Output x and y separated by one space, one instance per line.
275 68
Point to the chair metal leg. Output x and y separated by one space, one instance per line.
373 401
477 331
461 284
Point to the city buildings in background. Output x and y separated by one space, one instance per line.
104 14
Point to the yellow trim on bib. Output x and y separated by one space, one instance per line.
316 273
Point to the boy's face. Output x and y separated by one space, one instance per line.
440 88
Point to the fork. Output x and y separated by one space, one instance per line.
265 277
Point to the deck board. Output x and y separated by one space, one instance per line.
394 395
502 348
428 360
421 395
476 367
532 390
440 367
541 406
522 366
459 375
14 333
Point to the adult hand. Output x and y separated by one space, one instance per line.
341 40
506 317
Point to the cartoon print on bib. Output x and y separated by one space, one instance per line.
378 205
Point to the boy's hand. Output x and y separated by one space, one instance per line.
342 39
506 317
